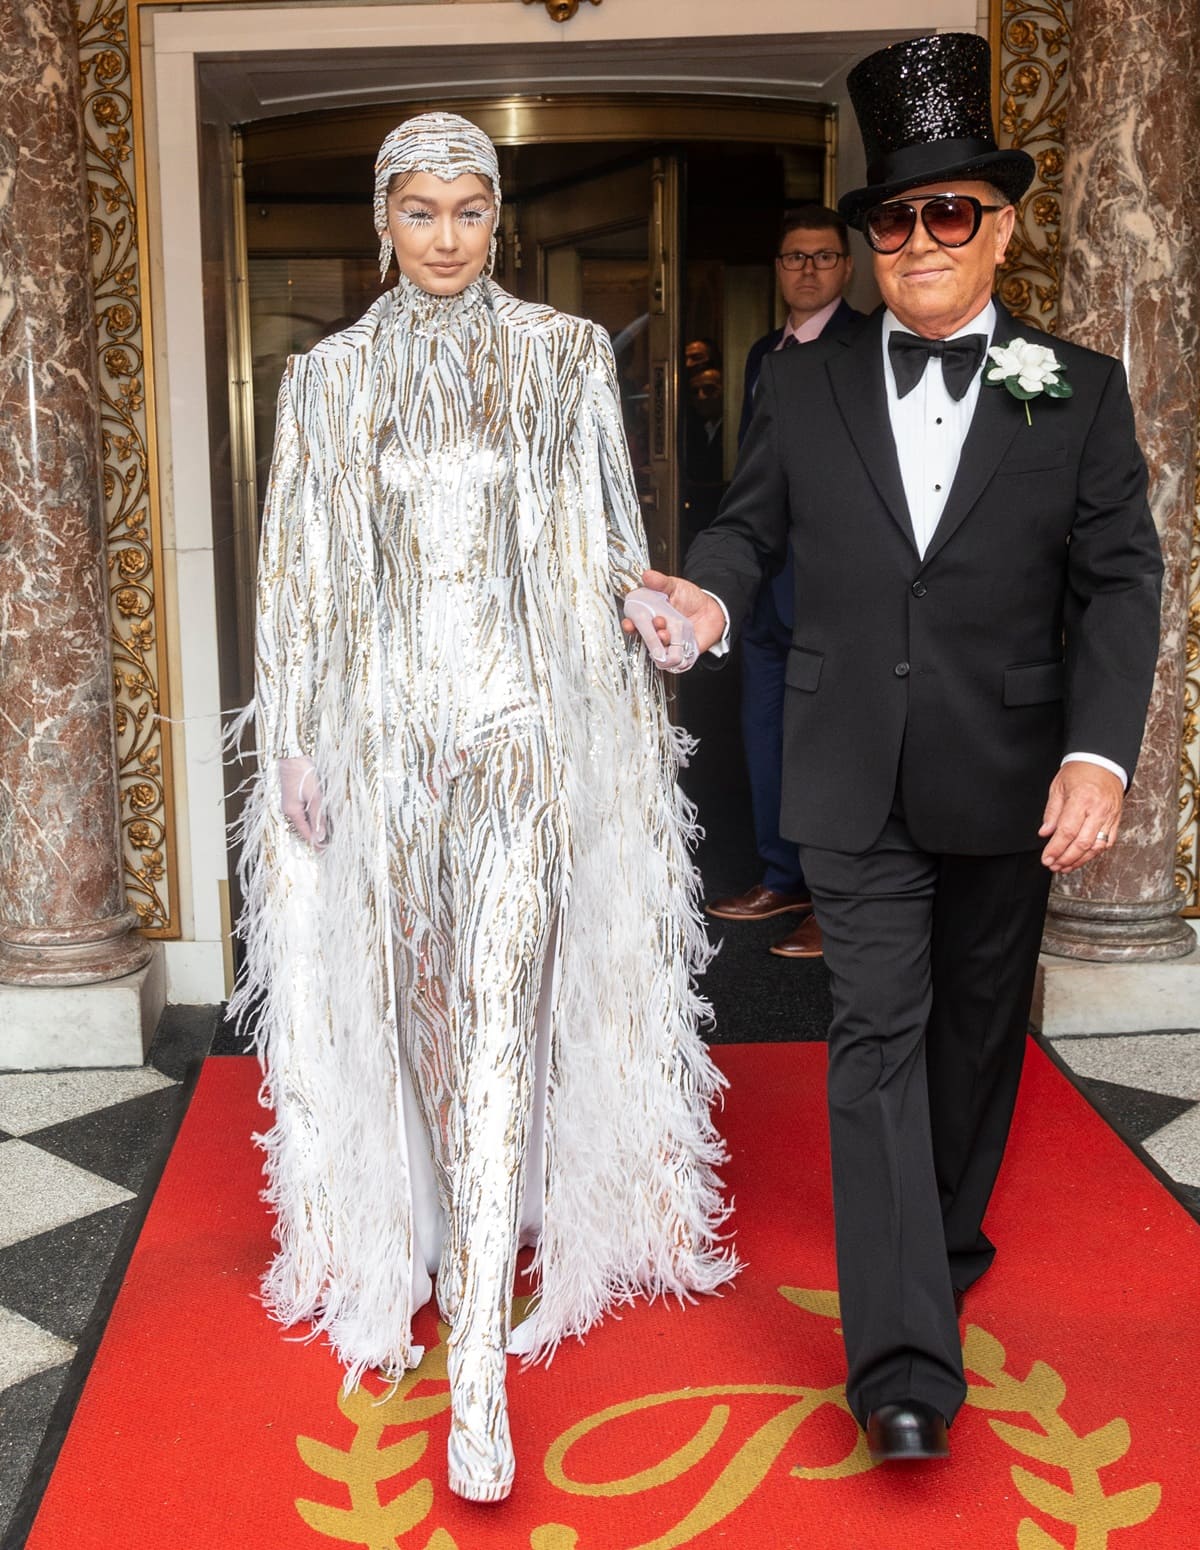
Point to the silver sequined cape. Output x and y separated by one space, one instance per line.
632 1205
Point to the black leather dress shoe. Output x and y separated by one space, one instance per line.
907 1430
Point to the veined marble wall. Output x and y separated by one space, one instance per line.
1031 44
1031 49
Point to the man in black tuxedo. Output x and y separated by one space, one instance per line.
813 266
976 629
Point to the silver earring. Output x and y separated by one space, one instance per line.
492 247
385 256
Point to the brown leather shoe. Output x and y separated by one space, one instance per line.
758 903
803 942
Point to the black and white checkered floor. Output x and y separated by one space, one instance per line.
80 1155
81 1151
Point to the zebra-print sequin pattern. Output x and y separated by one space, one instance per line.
458 665
623 1149
474 813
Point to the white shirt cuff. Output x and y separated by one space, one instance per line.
719 648
1105 764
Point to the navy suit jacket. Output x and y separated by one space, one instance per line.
773 609
1028 628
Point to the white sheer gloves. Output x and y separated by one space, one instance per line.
300 794
643 608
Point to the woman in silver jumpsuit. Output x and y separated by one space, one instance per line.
467 774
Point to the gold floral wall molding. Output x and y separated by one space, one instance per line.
134 546
1030 41
560 10
1187 865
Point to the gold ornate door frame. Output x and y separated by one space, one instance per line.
1030 84
113 129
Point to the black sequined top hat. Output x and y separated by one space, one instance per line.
924 109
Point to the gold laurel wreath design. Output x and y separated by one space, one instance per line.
1085 1507
367 1464
1040 1395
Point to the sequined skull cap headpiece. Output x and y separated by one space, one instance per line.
442 143
924 109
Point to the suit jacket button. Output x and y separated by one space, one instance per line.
901 670
919 589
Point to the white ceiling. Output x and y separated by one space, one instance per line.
809 66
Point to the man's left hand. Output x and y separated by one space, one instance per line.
1082 815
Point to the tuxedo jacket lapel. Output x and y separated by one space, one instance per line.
996 420
856 375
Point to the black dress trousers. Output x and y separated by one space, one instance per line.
932 960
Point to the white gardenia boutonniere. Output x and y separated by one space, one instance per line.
1026 370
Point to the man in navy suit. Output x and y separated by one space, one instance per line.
812 267
975 635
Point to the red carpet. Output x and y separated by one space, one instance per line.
203 1427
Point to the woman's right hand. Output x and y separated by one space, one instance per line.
300 795
701 608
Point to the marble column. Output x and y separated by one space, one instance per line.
1131 287
63 913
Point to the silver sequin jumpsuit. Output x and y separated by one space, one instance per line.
472 796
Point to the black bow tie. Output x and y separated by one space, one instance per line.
960 358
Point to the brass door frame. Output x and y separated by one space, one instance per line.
666 347
241 419
611 117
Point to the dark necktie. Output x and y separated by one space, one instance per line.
788 341
960 358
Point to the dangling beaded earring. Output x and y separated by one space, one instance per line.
491 261
385 255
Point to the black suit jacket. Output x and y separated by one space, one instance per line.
773 610
843 315
1029 629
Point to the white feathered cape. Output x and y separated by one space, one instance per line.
631 1202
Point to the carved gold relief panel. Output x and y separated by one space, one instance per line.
1187 872
1029 54
134 548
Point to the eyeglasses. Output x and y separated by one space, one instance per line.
825 259
950 219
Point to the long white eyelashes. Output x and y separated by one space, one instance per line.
423 218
